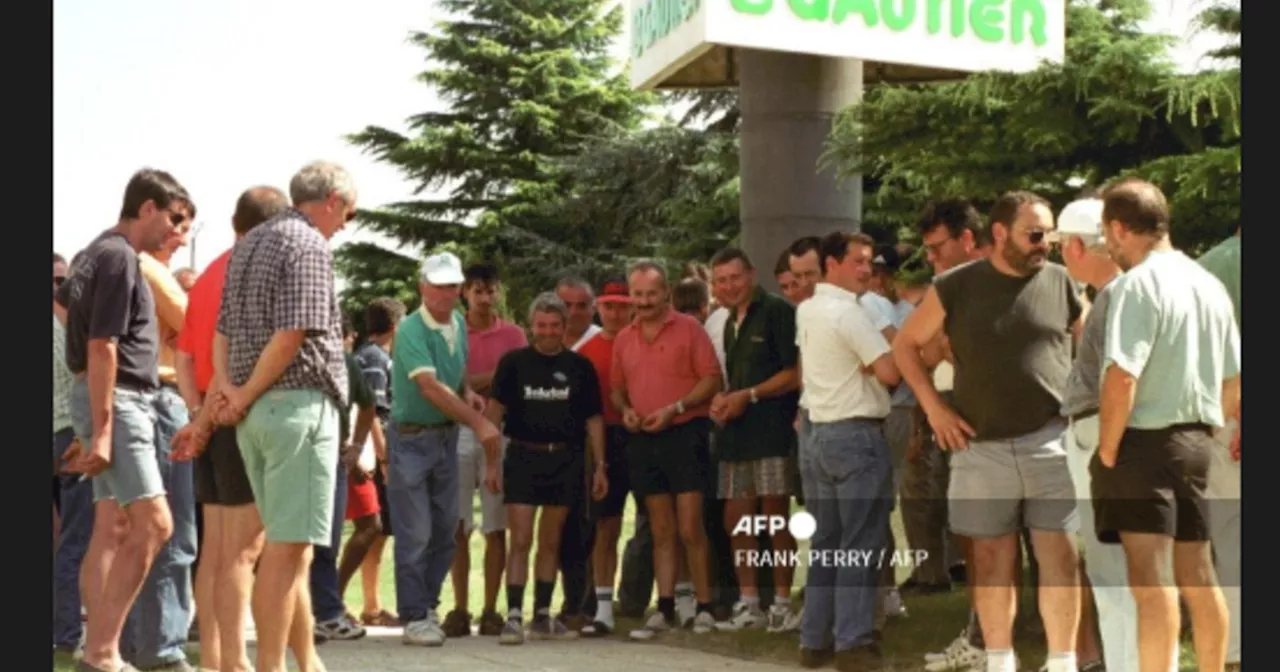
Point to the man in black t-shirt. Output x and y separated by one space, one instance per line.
112 346
549 401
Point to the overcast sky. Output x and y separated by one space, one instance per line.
226 94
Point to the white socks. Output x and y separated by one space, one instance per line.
1002 661
604 605
1061 662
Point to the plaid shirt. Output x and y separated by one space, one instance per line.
280 277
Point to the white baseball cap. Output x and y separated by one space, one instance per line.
1082 218
442 269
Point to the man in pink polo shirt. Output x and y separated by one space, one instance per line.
663 377
488 339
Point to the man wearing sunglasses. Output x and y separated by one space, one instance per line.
112 344
1011 321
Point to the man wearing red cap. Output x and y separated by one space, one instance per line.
614 307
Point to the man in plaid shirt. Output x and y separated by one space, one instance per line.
280 333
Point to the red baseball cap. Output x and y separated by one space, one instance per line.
614 291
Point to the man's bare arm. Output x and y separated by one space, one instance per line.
595 439
923 325
1116 405
379 441
480 382
273 361
494 411
364 424
1231 398
620 401
448 401
703 392
886 371
186 368
103 365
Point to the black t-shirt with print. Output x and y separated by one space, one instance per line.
548 398
106 297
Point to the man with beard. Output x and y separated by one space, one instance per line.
663 377
1010 320
548 401
112 345
489 337
1171 375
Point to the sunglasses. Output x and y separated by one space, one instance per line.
58 280
1038 236
176 218
351 216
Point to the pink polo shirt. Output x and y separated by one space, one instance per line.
660 372
485 348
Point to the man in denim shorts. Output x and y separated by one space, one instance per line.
112 345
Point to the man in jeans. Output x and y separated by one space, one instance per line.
430 396
112 341
286 381
846 467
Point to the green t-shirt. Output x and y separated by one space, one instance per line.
421 346
359 395
1223 261
755 352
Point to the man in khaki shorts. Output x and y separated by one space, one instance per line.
281 330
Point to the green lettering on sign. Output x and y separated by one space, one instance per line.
987 20
653 20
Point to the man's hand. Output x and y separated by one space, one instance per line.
1235 442
659 419
736 404
348 456
233 404
488 436
599 484
190 442
77 460
474 400
719 406
493 477
1107 455
951 431
631 420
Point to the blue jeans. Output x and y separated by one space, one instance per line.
848 484
76 513
326 601
422 488
161 616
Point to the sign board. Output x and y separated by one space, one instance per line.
960 35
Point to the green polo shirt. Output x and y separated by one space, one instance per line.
1223 261
755 351
421 346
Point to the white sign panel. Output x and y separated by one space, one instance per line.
666 35
962 35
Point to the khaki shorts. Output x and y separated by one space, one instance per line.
471 468
289 442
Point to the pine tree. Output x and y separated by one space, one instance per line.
526 85
1115 107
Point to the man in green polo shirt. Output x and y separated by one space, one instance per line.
755 434
429 398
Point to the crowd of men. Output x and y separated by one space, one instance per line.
969 382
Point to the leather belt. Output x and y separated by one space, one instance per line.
1083 415
410 428
543 447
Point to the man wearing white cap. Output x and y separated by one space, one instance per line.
1085 252
430 398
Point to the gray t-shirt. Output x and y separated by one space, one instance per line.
1084 384
1011 338
106 297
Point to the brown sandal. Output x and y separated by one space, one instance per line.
382 619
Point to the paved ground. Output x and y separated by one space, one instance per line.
381 650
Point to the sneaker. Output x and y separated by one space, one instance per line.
686 610
342 628
425 632
745 617
894 607
545 627
959 656
597 629
859 658
792 622
492 624
512 632
656 624
778 615
703 623
457 623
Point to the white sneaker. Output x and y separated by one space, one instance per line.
656 624
340 629
703 623
959 656
425 632
686 610
793 621
779 615
745 617
894 607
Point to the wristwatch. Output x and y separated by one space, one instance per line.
679 406
754 398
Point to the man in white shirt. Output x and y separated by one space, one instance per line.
845 465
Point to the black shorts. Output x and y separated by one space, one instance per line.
543 478
617 471
673 461
384 507
220 476
1157 485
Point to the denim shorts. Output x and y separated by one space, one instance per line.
134 473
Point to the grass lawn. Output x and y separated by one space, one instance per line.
933 621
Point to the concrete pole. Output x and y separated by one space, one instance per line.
788 104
